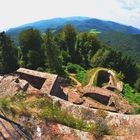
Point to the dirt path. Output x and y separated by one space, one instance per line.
78 84
92 78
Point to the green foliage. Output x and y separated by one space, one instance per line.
82 77
4 104
128 44
52 51
87 46
132 96
74 68
79 71
52 54
8 55
137 85
109 58
120 75
46 109
53 112
21 95
31 53
69 36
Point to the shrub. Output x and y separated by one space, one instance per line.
5 105
81 77
101 127
132 96
55 114
101 113
79 71
21 95
40 69
137 84
74 68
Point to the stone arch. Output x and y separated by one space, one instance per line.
101 76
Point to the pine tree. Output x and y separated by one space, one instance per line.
8 55
52 54
31 52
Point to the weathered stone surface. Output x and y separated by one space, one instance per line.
1 78
11 85
121 124
73 96
43 81
124 126
8 132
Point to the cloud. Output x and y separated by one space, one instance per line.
130 4
18 12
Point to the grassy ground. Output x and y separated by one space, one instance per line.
45 109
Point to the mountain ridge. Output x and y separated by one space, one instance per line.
60 21
111 32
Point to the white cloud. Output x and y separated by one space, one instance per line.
18 12
130 4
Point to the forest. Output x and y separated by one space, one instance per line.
66 49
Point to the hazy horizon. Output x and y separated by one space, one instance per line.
15 13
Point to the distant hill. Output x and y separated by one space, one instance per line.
125 38
127 43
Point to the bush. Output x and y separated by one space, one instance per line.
40 69
101 128
79 71
5 105
137 85
74 68
55 114
132 96
81 77
21 95
101 113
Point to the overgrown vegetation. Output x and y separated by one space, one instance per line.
132 96
52 51
101 127
80 72
45 109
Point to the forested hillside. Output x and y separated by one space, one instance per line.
87 76
126 43
122 37
52 51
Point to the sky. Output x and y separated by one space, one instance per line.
18 12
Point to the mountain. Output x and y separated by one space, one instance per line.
126 43
81 23
125 38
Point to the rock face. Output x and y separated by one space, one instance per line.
46 83
7 131
123 126
53 131
11 85
80 102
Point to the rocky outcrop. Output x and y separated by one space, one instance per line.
81 102
11 85
122 125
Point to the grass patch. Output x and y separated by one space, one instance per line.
45 109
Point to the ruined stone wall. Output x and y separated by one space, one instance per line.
35 81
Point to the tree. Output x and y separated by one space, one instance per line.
8 55
52 54
87 46
137 85
32 54
69 36
110 58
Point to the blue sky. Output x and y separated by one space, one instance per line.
17 12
